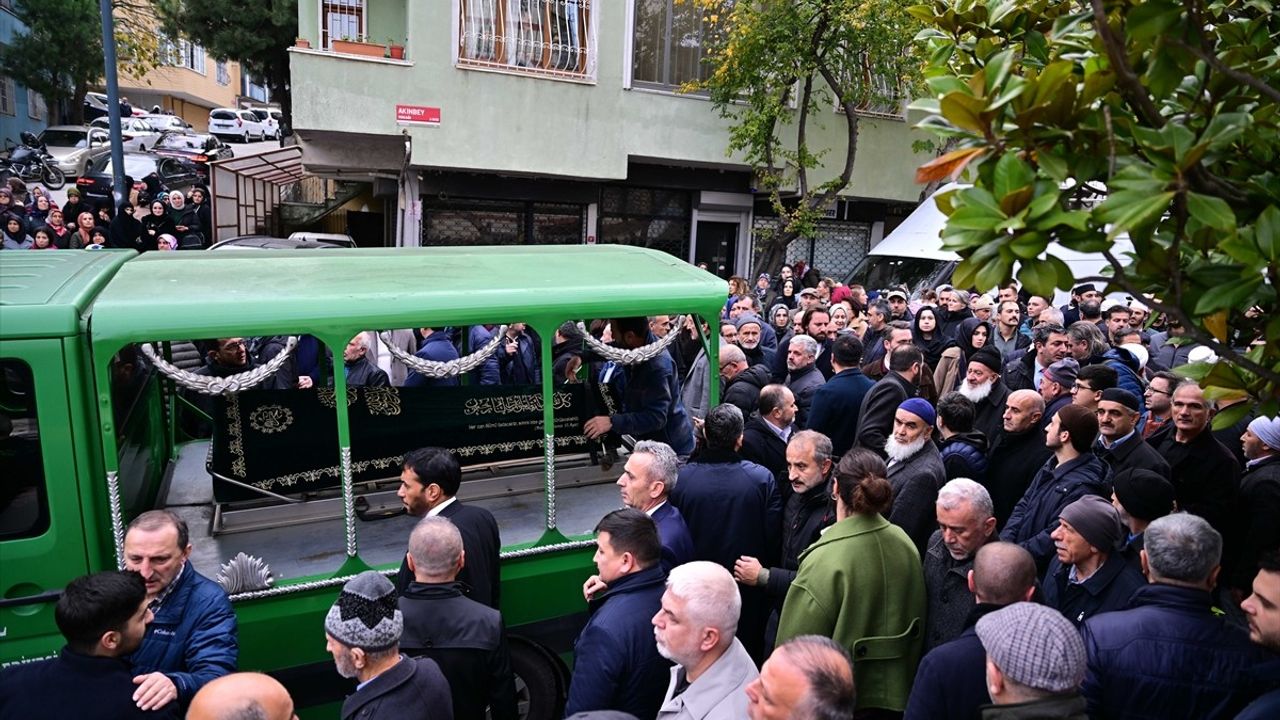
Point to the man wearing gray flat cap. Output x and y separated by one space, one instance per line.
1035 664
363 631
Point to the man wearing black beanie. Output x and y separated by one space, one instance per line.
1119 444
1140 496
983 385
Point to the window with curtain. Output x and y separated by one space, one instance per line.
667 43
341 20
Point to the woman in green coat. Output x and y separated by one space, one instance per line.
861 585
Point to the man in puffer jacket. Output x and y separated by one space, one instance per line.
964 450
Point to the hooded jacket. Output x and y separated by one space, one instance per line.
1054 487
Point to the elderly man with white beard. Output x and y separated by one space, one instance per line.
695 629
916 471
984 387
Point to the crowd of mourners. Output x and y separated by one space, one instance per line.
33 221
944 506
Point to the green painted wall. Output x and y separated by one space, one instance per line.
521 124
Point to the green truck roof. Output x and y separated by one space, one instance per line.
188 295
45 294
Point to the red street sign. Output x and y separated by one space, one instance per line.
417 115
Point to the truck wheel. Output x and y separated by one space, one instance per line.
540 688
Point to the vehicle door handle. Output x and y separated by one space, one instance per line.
38 598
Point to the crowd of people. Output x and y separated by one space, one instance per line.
948 506
33 221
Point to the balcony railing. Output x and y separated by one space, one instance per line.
548 38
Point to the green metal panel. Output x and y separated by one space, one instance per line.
45 294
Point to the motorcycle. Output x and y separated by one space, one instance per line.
31 162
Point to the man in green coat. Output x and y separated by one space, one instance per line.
861 584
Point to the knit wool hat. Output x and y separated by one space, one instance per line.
1268 430
988 356
1097 521
366 615
1034 645
1122 396
921 409
73 191
748 318
1063 372
1144 494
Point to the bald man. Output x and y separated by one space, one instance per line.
240 695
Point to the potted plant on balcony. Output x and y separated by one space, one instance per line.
302 42
357 47
394 51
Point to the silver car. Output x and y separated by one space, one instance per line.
75 147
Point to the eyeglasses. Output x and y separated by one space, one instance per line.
1154 391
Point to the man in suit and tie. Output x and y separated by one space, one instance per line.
647 479
429 482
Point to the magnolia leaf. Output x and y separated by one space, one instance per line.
1125 212
1266 233
949 165
997 71
959 109
1053 166
1227 295
1212 211
1148 19
1012 174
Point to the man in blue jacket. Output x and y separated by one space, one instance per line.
651 406
646 481
836 404
192 638
1171 655
436 347
616 665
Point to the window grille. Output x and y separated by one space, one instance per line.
501 222
548 38
343 20
835 251
659 219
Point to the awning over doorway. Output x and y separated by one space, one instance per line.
246 190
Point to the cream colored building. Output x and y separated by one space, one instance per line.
187 83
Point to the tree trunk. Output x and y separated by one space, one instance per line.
75 113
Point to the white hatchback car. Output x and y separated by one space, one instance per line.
137 135
236 124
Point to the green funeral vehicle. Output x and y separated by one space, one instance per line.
289 493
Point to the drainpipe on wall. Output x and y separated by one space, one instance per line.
408 201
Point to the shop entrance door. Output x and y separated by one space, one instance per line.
717 246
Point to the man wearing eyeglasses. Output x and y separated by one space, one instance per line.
1159 396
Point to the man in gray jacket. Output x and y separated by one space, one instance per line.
916 471
695 629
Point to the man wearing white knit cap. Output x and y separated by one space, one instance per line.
1255 526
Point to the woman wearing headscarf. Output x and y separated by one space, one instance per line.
953 310
183 215
72 208
57 228
41 206
954 363
928 336
82 236
787 294
157 223
126 232
43 239
15 233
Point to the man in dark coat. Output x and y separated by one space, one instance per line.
1170 655
1262 608
651 471
103 617
898 334
743 381
1018 452
1140 496
359 369
766 433
1204 472
1049 345
807 511
616 665
651 406
436 347
986 390
965 525
1070 474
836 404
751 330
363 631
877 330
429 482
1119 444
915 470
951 682
875 418
518 357
964 450
1088 576
1256 520
803 375
487 374
733 508
465 638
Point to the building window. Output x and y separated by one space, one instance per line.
644 217
181 53
548 38
6 5
342 20
36 108
667 43
8 101
223 75
500 222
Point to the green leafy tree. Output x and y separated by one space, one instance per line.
59 55
255 34
777 67
1083 121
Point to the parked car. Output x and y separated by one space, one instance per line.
95 105
146 173
75 147
267 242
270 119
135 133
199 150
240 125
166 123
342 239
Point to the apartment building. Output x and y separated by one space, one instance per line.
557 121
